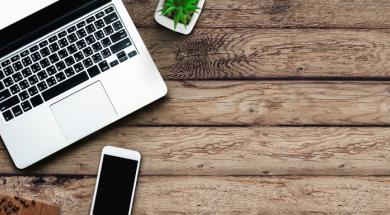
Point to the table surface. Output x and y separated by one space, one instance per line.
274 106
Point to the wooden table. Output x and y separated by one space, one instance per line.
274 107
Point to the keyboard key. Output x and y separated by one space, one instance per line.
97 46
5 94
90 19
78 56
69 61
8 70
15 89
44 63
35 67
90 29
108 30
42 86
34 48
26 72
26 106
123 59
23 95
51 70
45 52
65 86
72 38
17 110
63 53
24 53
99 35
35 56
5 63
121 54
90 39
60 66
37 100
87 51
15 58
60 77
54 47
103 66
110 18
78 67
54 58
120 45
99 24
26 61
69 72
114 63
117 25
109 10
63 43
9 103
99 15
72 49
81 24
93 71
81 44
97 58
132 54
1 75
106 42
43 44
51 81
42 75
62 34
118 36
106 53
8 81
24 84
17 77
87 62
32 91
17 66
8 115
53 39
33 80
81 33
71 29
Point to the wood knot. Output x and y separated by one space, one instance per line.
300 69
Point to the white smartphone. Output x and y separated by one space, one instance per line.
116 181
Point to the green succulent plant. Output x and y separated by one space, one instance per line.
180 11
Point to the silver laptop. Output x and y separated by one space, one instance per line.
67 69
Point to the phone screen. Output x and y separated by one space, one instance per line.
115 188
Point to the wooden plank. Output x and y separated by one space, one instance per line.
230 151
261 54
269 103
278 13
221 195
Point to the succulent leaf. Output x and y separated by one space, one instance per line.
180 11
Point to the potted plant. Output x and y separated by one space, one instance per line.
179 15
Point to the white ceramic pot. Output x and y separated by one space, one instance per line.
169 23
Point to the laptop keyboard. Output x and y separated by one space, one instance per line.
62 61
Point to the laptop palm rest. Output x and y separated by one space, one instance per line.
84 112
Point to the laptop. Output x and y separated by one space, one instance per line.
68 69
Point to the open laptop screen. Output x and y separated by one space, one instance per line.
51 17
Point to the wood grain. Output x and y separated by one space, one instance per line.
263 54
278 13
269 103
220 195
230 151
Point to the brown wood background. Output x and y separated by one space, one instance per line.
274 107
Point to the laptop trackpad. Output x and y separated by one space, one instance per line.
83 112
